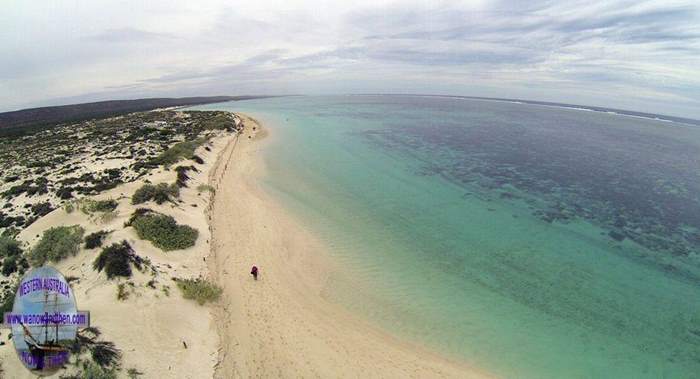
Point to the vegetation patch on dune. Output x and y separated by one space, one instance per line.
182 176
56 244
205 188
11 254
90 206
94 240
117 259
177 152
65 158
199 290
159 193
104 357
8 297
162 230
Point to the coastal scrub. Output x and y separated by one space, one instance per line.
94 240
117 259
56 244
162 230
200 290
181 150
159 193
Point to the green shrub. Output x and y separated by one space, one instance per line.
105 205
116 260
94 240
181 150
92 370
8 297
137 213
199 290
159 193
133 373
11 264
107 217
182 176
205 188
197 159
122 292
90 206
9 247
57 243
163 231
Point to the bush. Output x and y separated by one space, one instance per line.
107 217
89 205
116 260
93 370
8 297
94 240
182 176
11 252
159 193
133 373
163 231
9 247
181 150
42 209
199 290
65 193
13 264
122 292
57 243
205 188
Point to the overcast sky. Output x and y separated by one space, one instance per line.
638 55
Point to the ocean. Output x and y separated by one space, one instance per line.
530 240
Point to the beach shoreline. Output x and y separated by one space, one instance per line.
280 325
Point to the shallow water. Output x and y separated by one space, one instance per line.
532 241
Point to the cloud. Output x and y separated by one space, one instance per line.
634 54
127 35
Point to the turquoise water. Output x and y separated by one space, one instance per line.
532 241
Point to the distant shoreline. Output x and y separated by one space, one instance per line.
615 111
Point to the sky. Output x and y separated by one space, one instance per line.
636 55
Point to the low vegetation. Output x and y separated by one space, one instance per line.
94 240
56 244
11 255
162 230
122 292
117 259
182 176
177 152
90 206
105 357
8 297
199 290
159 193
205 188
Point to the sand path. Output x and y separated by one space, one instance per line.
279 326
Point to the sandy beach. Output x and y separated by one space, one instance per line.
279 325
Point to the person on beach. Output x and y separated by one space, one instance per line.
254 272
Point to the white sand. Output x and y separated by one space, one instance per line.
279 326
